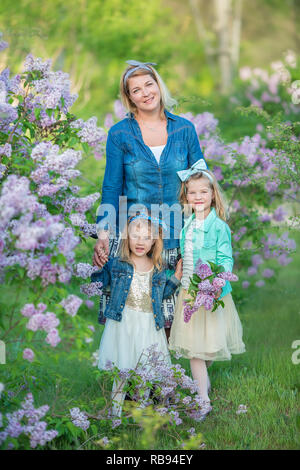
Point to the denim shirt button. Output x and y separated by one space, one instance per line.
153 300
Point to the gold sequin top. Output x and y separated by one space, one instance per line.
139 296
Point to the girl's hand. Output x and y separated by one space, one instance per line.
178 270
218 293
101 252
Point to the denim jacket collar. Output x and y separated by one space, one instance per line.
129 268
169 115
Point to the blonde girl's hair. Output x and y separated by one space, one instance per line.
155 252
166 101
218 202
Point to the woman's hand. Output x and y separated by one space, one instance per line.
101 249
178 270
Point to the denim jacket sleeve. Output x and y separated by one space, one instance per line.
113 180
195 152
224 248
171 286
103 275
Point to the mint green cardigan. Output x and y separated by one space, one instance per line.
211 242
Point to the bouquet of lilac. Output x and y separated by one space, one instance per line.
205 283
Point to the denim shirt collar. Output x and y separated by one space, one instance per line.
207 221
169 115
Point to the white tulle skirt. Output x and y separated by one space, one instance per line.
211 336
124 343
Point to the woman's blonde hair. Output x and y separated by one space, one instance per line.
166 101
155 252
218 197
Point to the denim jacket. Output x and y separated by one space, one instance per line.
133 171
118 274
211 242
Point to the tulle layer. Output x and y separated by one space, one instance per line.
211 336
123 343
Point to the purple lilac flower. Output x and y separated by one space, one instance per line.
283 260
202 269
115 423
53 338
260 283
5 150
34 429
94 288
268 272
206 287
257 260
265 218
85 270
28 354
108 121
279 214
252 271
245 284
218 283
71 304
28 310
79 418
228 276
89 303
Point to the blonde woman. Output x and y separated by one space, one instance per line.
143 153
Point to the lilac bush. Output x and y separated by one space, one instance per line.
43 216
25 425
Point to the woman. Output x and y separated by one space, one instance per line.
143 153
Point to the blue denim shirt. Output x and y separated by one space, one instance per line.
118 274
133 171
211 242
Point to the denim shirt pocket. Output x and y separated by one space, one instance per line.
180 151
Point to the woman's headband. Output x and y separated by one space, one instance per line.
137 65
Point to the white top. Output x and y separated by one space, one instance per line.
157 151
188 262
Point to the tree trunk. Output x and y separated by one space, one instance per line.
236 33
222 14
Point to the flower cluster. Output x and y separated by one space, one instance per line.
71 304
41 321
205 283
27 421
79 418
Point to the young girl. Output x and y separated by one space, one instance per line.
208 336
138 286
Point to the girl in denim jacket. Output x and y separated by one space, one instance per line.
134 318
208 336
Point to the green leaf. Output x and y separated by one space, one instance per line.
37 113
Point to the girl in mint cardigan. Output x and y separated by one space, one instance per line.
208 336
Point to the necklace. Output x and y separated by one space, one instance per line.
153 129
